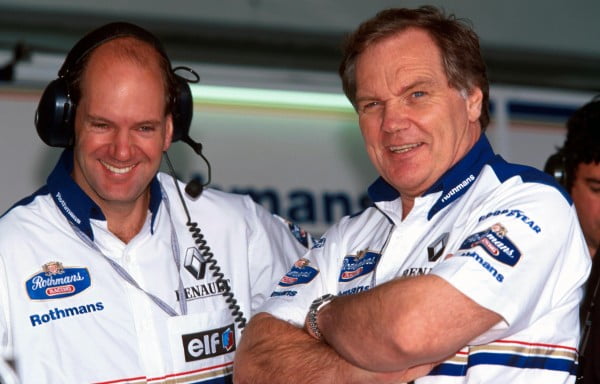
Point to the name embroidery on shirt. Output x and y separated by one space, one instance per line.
63 313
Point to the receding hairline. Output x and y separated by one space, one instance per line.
130 49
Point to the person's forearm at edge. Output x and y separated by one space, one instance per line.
273 351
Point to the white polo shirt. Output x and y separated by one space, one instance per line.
70 315
502 234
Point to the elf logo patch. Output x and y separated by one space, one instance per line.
207 344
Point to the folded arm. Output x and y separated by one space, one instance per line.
403 323
274 351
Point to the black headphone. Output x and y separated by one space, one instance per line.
55 114
556 166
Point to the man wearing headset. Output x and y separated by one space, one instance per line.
577 166
107 273
467 269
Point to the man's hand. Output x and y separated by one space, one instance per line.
273 351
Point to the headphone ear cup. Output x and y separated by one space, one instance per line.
555 166
183 109
54 115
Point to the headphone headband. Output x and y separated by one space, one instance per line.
104 34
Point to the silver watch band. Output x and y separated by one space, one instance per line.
316 305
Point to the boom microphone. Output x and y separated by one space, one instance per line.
194 187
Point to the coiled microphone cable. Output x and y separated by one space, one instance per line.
206 254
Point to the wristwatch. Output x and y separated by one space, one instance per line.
311 318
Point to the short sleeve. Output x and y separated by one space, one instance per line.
524 258
273 248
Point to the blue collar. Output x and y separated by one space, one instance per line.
76 205
453 184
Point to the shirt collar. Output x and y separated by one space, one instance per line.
453 184
77 207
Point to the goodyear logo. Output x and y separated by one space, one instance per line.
516 213
57 282
358 265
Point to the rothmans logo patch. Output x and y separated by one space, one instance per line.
301 273
57 282
494 242
358 265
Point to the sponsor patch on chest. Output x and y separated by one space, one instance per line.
57 282
207 344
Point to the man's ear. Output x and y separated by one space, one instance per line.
168 132
474 103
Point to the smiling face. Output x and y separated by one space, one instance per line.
121 128
415 126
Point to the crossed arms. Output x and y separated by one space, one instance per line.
393 333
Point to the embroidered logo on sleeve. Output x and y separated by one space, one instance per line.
301 273
495 243
57 282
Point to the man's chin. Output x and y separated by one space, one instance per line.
411 187
120 197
